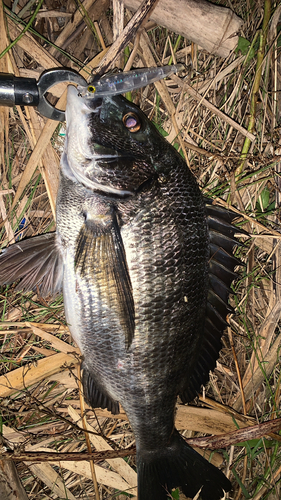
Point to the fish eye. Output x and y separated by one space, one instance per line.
132 122
91 89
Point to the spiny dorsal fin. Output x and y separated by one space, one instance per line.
221 274
100 253
35 262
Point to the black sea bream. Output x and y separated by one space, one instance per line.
145 266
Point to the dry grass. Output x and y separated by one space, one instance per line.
209 119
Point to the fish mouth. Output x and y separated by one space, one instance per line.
83 162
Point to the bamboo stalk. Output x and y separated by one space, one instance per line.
256 84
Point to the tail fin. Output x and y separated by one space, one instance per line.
178 465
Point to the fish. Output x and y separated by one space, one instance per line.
145 263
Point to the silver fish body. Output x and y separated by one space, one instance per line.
143 300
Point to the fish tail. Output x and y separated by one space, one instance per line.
178 465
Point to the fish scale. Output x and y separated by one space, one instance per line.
145 264
156 301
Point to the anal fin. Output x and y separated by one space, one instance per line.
95 396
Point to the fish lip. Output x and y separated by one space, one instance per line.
94 105
89 106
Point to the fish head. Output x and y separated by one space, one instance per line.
111 146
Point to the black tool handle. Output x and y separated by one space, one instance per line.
18 90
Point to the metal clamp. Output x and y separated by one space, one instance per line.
28 92
47 80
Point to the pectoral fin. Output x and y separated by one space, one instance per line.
100 254
35 262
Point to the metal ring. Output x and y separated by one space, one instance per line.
47 80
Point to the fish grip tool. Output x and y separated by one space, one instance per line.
22 91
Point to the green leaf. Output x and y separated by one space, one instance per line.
244 491
265 198
243 46
256 442
160 129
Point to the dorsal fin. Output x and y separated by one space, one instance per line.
221 274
